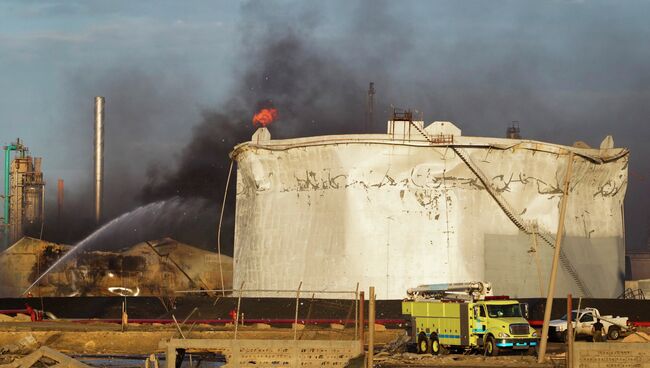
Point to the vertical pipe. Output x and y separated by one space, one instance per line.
362 318
8 150
370 109
42 212
569 331
59 199
6 200
295 320
539 267
371 326
356 313
223 207
99 156
238 307
556 257
38 270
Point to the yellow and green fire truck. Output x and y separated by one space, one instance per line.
464 316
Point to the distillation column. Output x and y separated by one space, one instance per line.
24 202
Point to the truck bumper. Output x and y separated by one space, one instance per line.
517 343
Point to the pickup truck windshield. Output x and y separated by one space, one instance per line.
574 315
508 310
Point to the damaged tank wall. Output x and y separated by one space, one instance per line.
394 213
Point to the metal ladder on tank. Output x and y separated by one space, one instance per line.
545 235
630 293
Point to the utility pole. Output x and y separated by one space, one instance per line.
556 257
569 331
371 327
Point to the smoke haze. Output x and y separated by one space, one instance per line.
565 70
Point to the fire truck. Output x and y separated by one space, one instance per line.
465 316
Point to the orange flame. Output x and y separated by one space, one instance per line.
265 116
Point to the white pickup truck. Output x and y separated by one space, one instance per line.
583 321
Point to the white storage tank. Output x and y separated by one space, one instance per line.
426 205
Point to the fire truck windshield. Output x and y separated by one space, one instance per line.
507 310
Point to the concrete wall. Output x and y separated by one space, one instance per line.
271 353
595 355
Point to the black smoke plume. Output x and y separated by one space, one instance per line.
312 93
480 66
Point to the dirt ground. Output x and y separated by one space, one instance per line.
19 338
105 338
459 360
555 357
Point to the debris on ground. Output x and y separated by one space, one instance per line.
24 345
398 344
637 337
46 356
357 362
21 317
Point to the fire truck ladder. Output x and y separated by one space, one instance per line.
510 213
472 291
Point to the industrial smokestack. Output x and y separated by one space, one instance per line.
99 156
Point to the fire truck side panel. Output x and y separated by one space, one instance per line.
448 321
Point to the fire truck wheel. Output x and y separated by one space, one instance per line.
435 345
532 351
423 344
491 347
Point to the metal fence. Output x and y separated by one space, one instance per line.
354 296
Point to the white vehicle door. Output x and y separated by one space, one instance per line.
585 324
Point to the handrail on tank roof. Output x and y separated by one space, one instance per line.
464 141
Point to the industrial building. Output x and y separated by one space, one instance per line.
23 193
425 204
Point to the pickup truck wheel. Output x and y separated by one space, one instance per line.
613 333
423 344
563 336
491 347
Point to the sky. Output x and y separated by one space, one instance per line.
173 72
57 55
